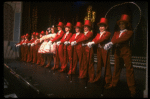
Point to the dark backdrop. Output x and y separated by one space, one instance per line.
50 13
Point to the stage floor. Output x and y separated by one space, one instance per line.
56 84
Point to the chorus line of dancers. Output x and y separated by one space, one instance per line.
66 47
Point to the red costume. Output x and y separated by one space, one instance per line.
66 37
59 50
101 40
77 51
40 59
87 55
21 47
35 49
26 47
122 50
30 52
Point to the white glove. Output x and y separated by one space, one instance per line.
66 42
32 44
50 42
29 44
73 43
83 44
108 46
89 44
17 45
23 43
58 43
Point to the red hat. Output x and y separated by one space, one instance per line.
79 24
103 21
33 33
60 24
87 23
42 32
124 18
27 35
37 34
68 25
24 36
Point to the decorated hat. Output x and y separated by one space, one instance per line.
42 32
79 24
60 24
68 25
87 23
103 21
124 18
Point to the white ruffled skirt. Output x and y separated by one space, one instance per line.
46 48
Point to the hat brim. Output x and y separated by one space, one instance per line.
67 26
87 25
122 21
79 26
102 24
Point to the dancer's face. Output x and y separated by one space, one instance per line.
52 30
102 28
122 25
32 36
41 35
77 29
59 28
46 32
67 29
25 37
86 28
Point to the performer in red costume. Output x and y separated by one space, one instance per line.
66 37
100 40
87 58
77 49
121 41
34 48
59 50
21 47
25 47
30 51
40 57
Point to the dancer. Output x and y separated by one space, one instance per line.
34 48
66 37
40 57
26 47
120 41
48 50
21 47
77 49
100 40
59 50
30 51
87 52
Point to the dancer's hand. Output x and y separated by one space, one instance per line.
73 43
66 42
108 46
58 43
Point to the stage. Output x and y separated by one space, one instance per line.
43 82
